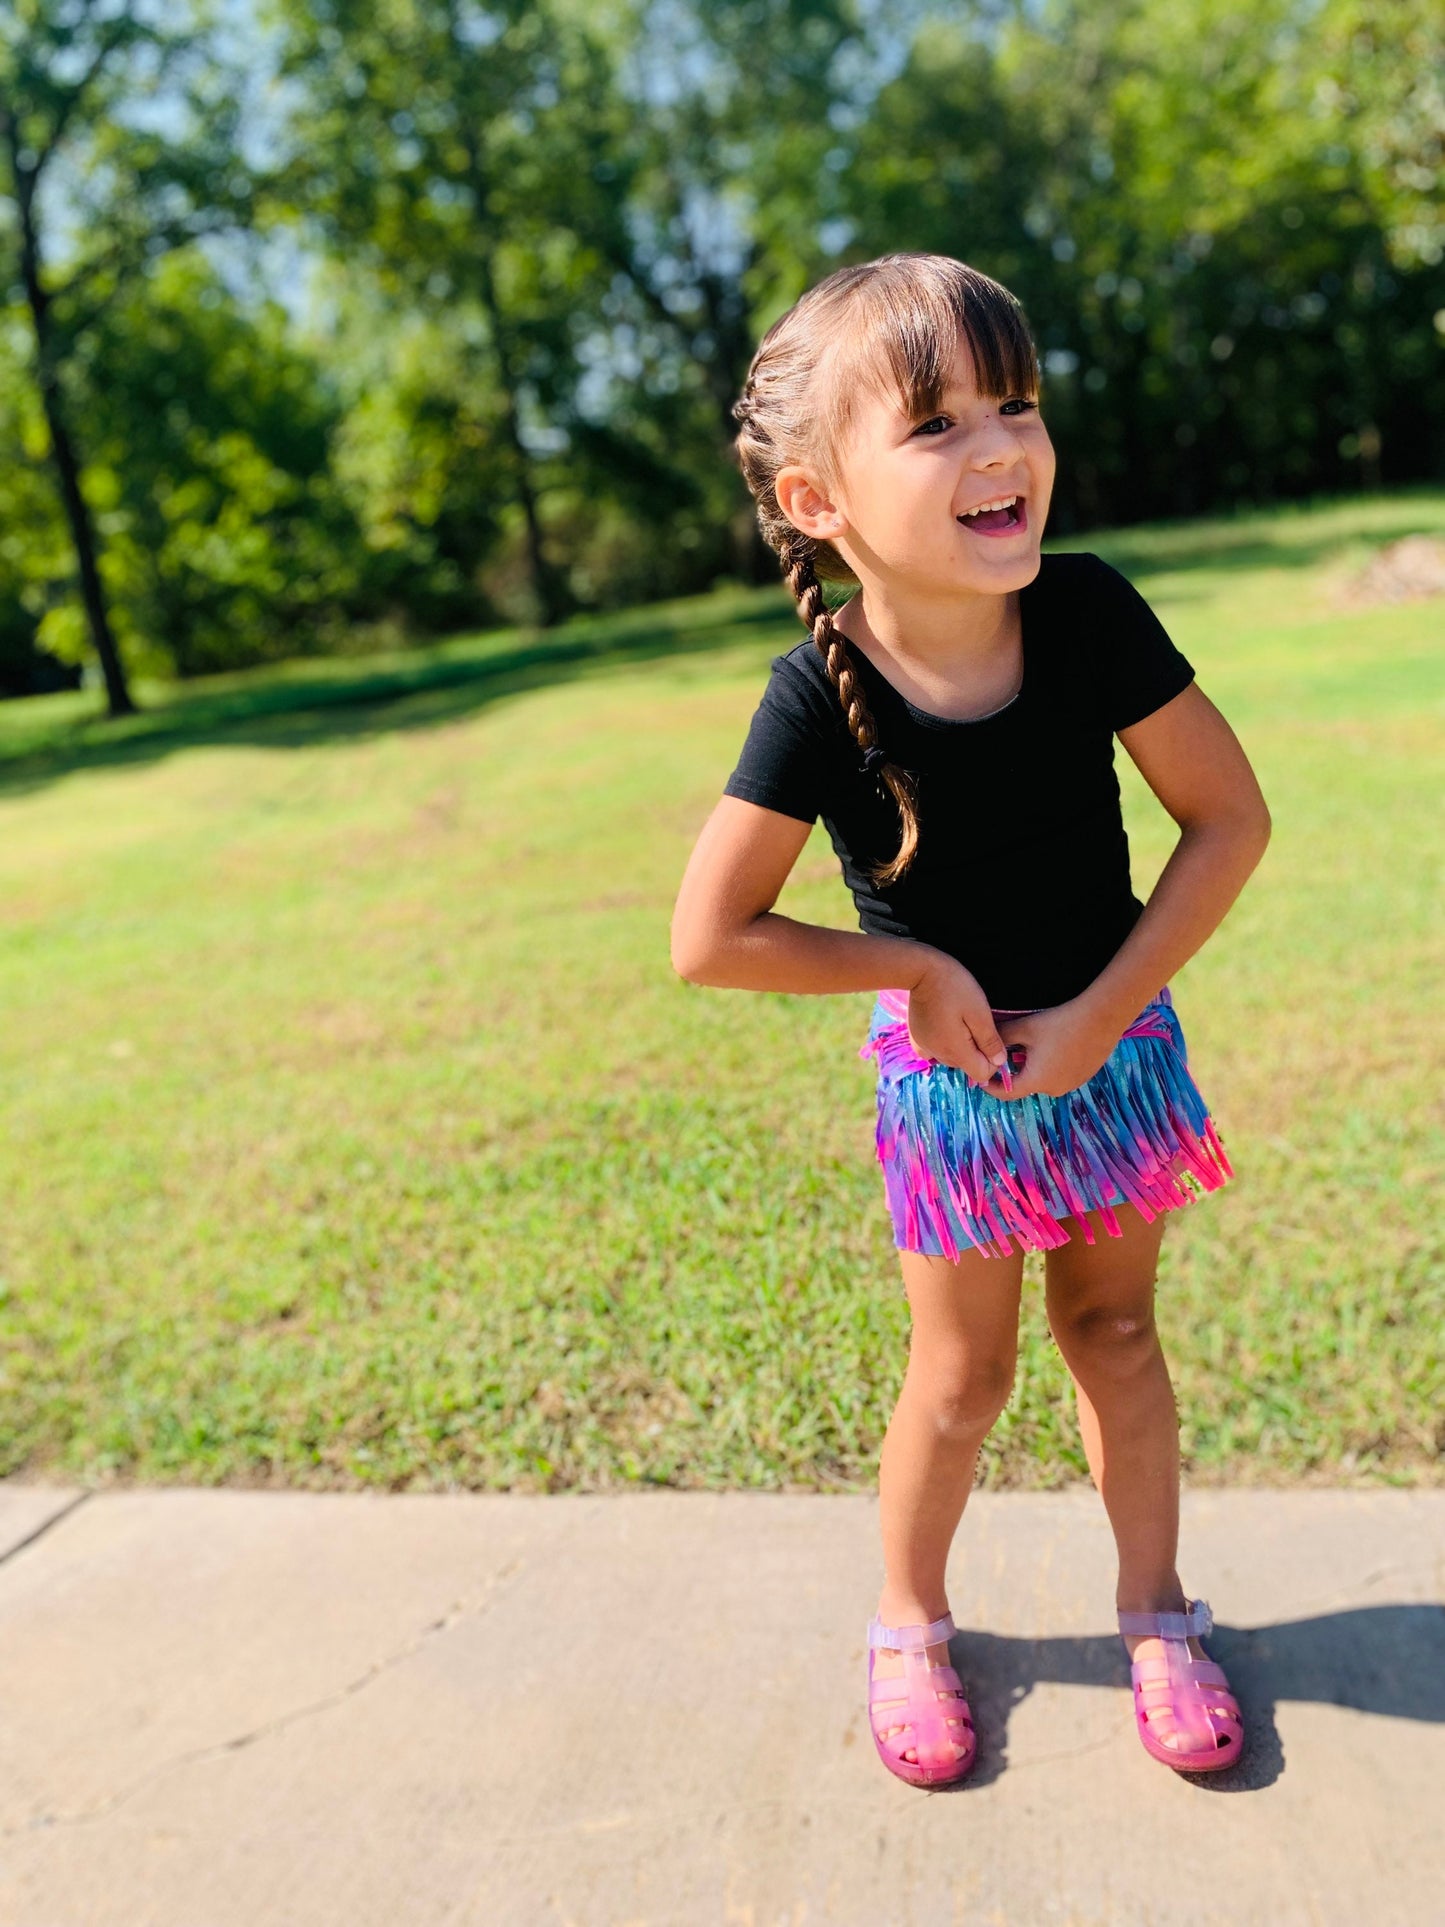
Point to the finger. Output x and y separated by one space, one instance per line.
1013 1080
979 1068
974 1065
987 1042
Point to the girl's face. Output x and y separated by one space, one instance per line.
899 514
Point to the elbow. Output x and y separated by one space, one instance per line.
1253 826
686 969
704 962
707 951
701 970
689 959
1253 834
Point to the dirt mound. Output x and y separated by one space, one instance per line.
1400 572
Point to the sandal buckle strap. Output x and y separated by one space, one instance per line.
910 1639
1195 1623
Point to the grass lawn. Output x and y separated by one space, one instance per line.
358 1131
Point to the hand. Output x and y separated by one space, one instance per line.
949 1019
1066 1045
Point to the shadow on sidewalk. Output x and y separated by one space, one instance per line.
1375 1659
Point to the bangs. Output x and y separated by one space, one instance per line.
900 322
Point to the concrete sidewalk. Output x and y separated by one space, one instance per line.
228 1707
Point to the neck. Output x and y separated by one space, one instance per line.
933 634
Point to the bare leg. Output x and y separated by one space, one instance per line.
961 1359
1100 1301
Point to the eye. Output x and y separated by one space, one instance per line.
924 426
1018 401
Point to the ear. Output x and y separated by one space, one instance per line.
802 500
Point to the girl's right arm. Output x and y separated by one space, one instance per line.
726 934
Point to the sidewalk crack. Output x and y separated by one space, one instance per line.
44 1526
100 1809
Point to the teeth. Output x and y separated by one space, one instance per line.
1003 502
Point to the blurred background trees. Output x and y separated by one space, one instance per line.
325 322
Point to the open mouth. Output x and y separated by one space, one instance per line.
1010 519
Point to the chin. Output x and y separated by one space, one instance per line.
1014 571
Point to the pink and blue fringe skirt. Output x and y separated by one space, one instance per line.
965 1170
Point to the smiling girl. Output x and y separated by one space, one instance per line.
953 725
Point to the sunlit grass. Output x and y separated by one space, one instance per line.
359 1131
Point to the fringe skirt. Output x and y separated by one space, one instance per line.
965 1170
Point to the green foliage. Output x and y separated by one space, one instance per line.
227 541
34 558
449 152
85 153
1206 212
547 236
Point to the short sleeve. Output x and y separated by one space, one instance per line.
1140 668
783 760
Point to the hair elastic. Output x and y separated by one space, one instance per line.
874 759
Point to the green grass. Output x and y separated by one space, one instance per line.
358 1131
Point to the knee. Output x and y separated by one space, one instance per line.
964 1396
1106 1339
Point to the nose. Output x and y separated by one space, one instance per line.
997 445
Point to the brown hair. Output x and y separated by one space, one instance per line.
900 316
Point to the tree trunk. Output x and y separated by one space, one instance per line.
118 696
77 512
553 601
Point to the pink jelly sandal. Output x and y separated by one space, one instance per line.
1183 1699
923 1697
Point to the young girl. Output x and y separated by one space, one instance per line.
953 725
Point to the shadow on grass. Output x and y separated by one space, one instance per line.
1376 1659
301 704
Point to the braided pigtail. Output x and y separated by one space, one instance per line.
800 568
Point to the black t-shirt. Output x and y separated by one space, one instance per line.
1022 869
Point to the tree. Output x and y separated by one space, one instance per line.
434 141
731 170
212 449
76 79
1223 223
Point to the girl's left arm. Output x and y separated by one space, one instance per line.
1192 760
